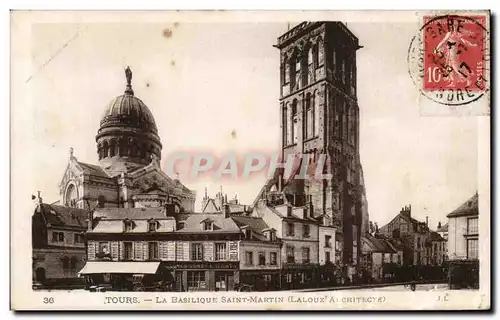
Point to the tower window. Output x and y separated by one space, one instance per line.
316 114
320 52
294 123
112 148
286 71
309 117
298 65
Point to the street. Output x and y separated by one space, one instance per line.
420 287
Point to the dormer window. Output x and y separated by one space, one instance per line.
127 225
270 234
248 234
152 225
208 225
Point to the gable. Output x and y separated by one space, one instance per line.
72 173
152 180
210 206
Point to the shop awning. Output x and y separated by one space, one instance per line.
119 267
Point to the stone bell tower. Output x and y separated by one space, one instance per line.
320 115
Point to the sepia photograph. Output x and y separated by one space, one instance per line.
250 160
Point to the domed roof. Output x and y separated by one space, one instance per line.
129 111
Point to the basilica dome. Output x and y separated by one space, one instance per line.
128 136
128 111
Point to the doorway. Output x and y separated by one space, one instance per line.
40 274
224 281
179 281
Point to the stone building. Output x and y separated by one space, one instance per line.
129 174
320 115
463 231
463 245
414 233
298 232
58 243
192 251
260 254
378 255
436 249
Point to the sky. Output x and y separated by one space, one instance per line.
215 87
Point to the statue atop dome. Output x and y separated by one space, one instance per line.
128 75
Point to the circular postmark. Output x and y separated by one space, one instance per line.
448 60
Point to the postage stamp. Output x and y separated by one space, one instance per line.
449 63
240 161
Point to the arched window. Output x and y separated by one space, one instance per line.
285 125
310 65
71 196
352 126
297 64
130 148
105 149
122 147
294 123
309 117
112 148
316 110
344 120
286 71
99 150
320 52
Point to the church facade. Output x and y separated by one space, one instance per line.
129 174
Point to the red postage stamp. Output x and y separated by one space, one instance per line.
452 55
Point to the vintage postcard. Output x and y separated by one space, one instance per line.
171 160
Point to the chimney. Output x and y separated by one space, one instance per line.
40 200
227 210
439 225
427 220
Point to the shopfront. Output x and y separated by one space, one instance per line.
299 276
203 276
125 276
261 280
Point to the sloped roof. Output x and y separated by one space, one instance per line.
130 213
257 225
468 208
434 236
378 244
139 226
192 223
93 170
62 216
